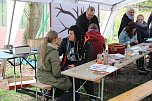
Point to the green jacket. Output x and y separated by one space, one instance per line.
52 72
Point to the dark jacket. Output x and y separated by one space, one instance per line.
142 32
124 22
150 21
97 41
84 54
83 23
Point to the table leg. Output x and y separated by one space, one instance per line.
14 75
99 89
21 71
35 66
102 88
73 89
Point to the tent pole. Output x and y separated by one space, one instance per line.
108 19
107 22
11 24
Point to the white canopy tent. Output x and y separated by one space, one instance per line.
110 6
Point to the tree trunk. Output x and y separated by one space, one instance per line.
33 22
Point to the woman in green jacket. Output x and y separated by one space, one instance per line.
49 70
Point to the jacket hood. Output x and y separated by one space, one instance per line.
94 36
51 47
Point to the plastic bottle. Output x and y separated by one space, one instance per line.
128 52
105 57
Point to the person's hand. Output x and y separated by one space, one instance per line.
150 46
71 66
136 41
149 49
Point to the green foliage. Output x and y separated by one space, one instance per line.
10 73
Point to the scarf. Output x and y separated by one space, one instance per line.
130 17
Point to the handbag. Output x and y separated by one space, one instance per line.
116 48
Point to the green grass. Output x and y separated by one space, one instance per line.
11 95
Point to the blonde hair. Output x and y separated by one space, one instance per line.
51 35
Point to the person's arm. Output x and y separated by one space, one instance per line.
97 22
55 64
122 38
62 47
149 20
88 55
134 39
124 23
80 24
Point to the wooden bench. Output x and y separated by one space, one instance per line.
136 93
43 87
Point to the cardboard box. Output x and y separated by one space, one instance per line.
35 43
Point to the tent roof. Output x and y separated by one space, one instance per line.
104 4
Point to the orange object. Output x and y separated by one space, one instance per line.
99 61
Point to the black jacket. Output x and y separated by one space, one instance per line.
83 23
86 52
124 22
142 33
150 21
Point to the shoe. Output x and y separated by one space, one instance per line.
92 99
148 68
142 71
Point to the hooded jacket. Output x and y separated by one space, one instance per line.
51 74
97 41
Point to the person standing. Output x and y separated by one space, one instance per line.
149 22
84 20
127 18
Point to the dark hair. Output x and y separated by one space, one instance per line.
77 33
130 27
78 43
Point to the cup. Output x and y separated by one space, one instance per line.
140 52
99 58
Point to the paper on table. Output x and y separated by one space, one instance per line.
101 67
117 56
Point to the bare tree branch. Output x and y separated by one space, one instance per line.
61 10
65 28
76 11
82 10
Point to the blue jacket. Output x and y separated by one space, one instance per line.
124 38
